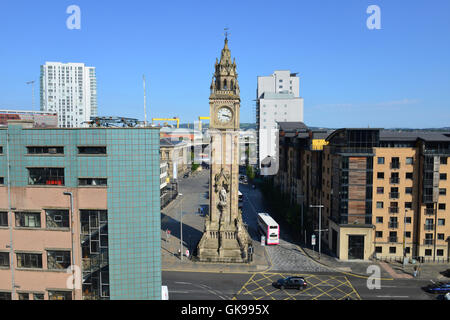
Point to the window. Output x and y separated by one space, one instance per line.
380 175
408 234
379 220
407 250
24 296
379 234
408 190
441 222
395 163
440 252
4 259
92 182
392 250
29 260
378 249
28 219
428 252
442 191
45 150
380 160
56 219
58 259
59 295
441 236
443 160
408 205
5 296
38 296
3 219
441 206
379 204
46 176
2 180
443 176
408 220
380 190
409 175
409 160
91 150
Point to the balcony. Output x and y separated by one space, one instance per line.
395 165
393 195
393 209
428 227
428 242
394 180
393 225
393 239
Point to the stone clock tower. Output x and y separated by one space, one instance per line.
225 239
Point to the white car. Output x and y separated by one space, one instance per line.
447 296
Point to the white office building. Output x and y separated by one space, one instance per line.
70 89
278 100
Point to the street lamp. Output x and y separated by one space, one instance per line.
71 228
181 226
320 206
302 197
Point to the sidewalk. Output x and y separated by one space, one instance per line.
389 270
172 262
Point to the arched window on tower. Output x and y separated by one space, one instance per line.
231 85
225 84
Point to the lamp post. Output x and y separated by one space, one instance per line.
301 227
181 226
320 206
404 238
71 231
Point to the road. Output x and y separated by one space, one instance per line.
285 260
258 286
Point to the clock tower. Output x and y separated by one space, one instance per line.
225 238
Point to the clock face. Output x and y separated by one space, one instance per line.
224 115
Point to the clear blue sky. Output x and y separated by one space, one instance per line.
351 76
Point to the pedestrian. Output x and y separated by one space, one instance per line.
415 271
179 253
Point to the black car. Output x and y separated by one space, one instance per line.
291 283
440 287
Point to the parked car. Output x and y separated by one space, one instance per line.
290 283
444 296
440 287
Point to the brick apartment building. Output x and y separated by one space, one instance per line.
384 192
88 197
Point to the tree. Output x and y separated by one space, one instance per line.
250 172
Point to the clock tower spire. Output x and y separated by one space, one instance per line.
225 238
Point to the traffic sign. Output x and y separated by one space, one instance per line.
187 253
313 240
263 241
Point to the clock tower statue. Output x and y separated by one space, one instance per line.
225 238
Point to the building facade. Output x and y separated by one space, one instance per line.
384 193
278 100
87 198
70 89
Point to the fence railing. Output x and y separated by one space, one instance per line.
420 259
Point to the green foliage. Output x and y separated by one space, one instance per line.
250 172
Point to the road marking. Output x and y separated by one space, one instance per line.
392 296
183 283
